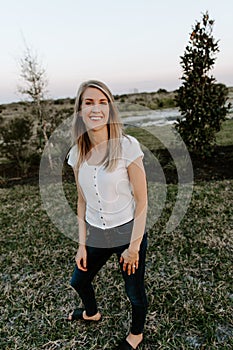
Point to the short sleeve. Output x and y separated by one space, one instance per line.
131 149
72 156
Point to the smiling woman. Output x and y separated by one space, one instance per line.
112 205
95 111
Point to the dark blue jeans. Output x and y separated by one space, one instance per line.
134 284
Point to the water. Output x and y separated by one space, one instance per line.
156 117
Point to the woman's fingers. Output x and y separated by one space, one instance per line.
81 258
130 267
129 264
81 263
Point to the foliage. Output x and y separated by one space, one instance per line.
166 103
162 91
201 100
16 141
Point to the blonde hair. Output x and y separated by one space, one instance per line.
114 125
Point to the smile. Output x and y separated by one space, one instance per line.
96 118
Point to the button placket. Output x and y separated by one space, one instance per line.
97 194
95 184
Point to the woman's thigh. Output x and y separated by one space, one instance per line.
96 258
134 283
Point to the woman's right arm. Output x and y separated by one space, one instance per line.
81 256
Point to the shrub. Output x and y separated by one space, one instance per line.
16 141
162 91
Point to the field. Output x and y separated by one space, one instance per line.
188 278
188 271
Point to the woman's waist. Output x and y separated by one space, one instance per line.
128 225
109 237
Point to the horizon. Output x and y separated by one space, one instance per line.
117 94
70 97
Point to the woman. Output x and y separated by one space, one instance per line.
112 205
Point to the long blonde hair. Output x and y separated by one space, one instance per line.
114 125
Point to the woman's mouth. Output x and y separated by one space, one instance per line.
96 118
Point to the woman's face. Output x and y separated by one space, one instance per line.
94 109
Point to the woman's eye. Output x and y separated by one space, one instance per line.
90 103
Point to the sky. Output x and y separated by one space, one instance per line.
128 44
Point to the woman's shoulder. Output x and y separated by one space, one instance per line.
128 140
72 155
131 149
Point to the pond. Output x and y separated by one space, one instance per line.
156 117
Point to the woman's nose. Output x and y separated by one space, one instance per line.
96 108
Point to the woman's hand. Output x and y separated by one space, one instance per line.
130 259
81 258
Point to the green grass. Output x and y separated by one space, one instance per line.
224 137
188 278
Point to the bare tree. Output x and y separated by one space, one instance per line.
35 87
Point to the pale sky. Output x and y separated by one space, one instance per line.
128 44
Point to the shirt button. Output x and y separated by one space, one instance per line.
101 217
95 185
96 193
103 224
101 209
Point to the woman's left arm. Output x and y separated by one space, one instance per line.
137 179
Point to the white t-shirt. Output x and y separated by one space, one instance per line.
108 195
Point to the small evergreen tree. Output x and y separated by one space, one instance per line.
201 100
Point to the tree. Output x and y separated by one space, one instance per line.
35 84
201 100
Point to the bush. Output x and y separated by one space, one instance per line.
162 91
59 101
16 141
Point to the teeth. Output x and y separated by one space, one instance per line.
96 118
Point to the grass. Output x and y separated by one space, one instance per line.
224 137
188 274
188 278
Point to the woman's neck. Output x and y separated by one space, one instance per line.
98 137
99 141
